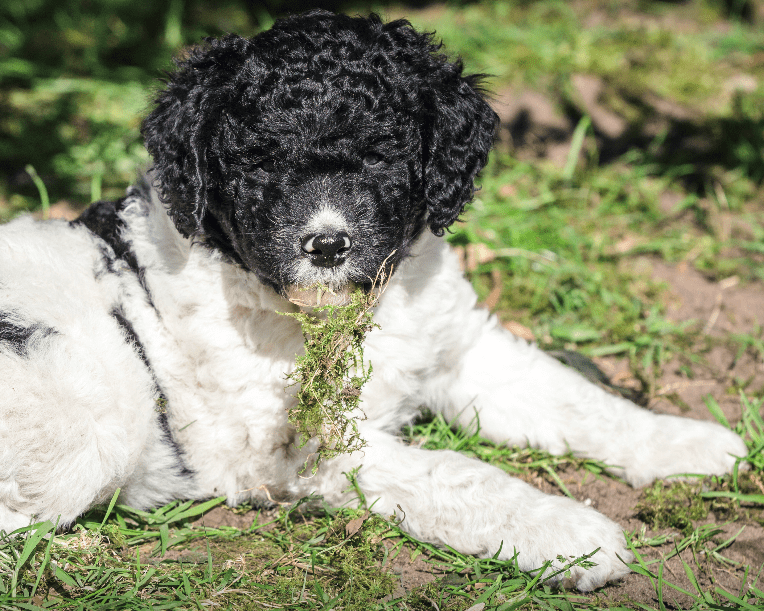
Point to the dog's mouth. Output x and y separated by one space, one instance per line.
318 296
339 290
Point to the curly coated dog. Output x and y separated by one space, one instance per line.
317 152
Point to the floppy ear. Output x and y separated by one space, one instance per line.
181 132
457 140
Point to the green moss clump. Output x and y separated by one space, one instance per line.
674 505
331 373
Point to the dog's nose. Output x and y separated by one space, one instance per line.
327 250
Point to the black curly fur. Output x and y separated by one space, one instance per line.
249 135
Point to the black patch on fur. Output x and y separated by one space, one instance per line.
132 337
102 219
17 337
170 440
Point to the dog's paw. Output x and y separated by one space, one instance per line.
559 531
684 446
13 520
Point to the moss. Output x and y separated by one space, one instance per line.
674 505
330 375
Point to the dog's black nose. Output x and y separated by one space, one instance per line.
327 250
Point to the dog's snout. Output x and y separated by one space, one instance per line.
327 250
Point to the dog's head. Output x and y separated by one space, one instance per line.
317 151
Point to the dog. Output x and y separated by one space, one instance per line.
142 346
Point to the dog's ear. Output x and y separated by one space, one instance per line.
458 136
181 132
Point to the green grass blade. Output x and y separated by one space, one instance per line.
164 538
46 559
40 530
64 577
757 499
41 189
716 411
741 604
186 583
109 508
557 480
576 145
198 509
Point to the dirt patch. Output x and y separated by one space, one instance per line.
714 573
412 569
532 125
719 311
724 570
724 307
225 516
618 502
725 313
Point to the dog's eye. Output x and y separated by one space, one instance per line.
372 159
267 166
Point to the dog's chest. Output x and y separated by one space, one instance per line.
222 365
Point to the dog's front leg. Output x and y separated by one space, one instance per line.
446 498
520 395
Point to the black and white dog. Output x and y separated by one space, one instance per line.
145 351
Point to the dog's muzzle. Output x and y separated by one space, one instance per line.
323 275
327 249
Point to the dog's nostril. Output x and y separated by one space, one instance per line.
307 244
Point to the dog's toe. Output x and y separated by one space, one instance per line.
686 447
572 544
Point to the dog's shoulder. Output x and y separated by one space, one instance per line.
430 295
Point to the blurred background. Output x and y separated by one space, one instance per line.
683 81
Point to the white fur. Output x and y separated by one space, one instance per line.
78 415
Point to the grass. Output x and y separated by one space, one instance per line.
328 558
575 297
569 251
309 556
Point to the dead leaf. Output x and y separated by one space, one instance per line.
515 328
355 524
492 300
477 254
